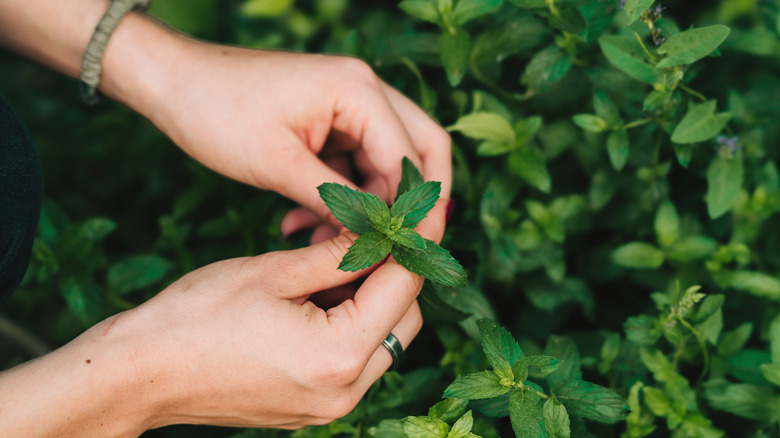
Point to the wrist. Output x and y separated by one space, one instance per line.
95 386
139 63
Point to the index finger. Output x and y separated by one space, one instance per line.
384 298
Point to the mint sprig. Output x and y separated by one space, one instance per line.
384 230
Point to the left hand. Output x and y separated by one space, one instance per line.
288 122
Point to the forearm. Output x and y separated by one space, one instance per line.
90 387
55 33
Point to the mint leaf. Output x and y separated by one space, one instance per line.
410 178
409 238
546 364
434 263
425 427
525 412
415 204
498 344
347 206
377 212
449 409
594 402
484 384
556 419
368 249
462 427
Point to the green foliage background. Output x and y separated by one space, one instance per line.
598 179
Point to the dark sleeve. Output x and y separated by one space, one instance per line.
21 190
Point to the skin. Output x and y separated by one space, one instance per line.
277 340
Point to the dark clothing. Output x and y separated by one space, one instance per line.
21 191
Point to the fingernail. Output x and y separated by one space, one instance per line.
450 207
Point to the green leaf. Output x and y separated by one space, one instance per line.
491 148
512 33
711 304
606 108
82 298
462 427
545 68
530 166
593 402
433 307
265 8
448 410
484 384
498 344
700 123
590 122
95 229
530 4
724 183
454 50
347 206
570 20
638 255
565 350
467 10
756 403
634 8
546 364
434 263
626 55
617 148
410 178
414 205
667 224
485 126
691 45
137 272
757 283
409 238
526 414
425 427
423 9
774 340
642 329
771 372
368 249
690 248
556 419
377 212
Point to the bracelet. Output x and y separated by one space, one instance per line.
90 66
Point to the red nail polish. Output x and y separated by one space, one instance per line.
450 207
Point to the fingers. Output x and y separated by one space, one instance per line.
379 304
430 140
366 116
381 360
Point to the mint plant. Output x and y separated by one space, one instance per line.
384 230
533 411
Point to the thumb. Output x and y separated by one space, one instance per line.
304 271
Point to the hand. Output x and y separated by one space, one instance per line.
234 343
288 122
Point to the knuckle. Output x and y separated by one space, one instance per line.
341 370
338 406
359 70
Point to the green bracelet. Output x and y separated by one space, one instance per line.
90 66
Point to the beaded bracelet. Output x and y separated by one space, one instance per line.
90 66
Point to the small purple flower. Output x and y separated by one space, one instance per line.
732 143
622 4
658 41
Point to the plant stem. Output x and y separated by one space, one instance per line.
704 353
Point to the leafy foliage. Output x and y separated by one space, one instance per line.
383 231
607 156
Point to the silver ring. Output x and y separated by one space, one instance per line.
392 345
